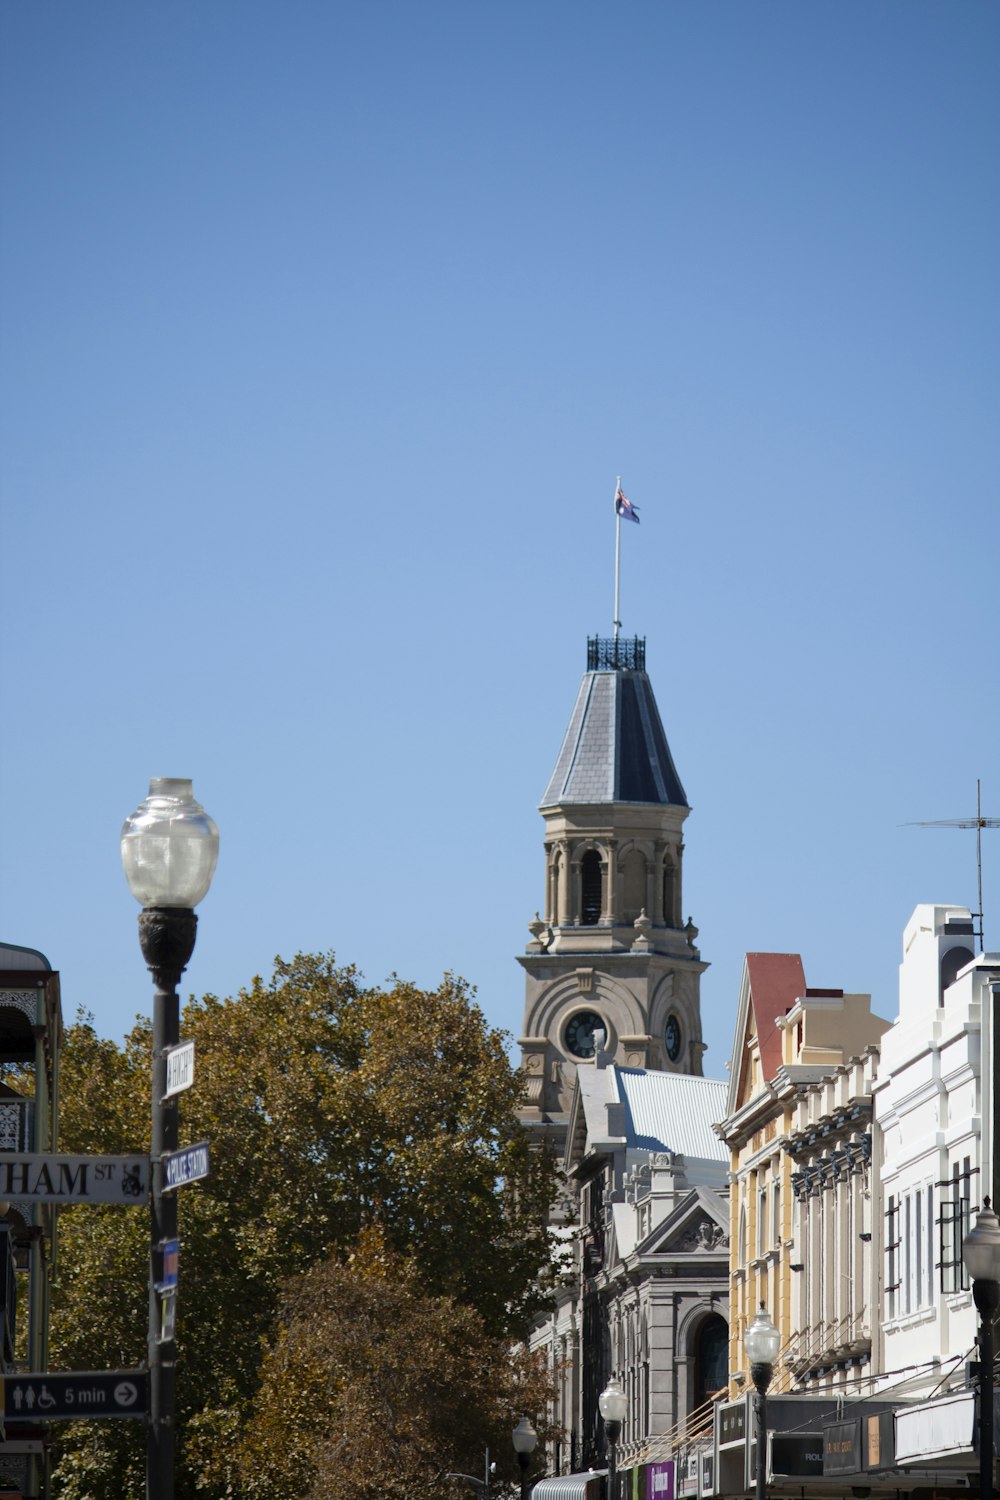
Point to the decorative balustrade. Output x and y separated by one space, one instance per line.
616 655
16 1121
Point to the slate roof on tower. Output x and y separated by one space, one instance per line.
615 749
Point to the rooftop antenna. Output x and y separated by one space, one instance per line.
978 823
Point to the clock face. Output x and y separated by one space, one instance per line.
672 1038
580 1032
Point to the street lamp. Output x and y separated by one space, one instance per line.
613 1404
524 1438
169 850
482 1486
761 1341
981 1253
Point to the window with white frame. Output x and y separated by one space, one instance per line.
910 1259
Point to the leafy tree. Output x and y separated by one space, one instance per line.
331 1109
372 1388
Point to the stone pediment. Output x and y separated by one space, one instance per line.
699 1225
704 1234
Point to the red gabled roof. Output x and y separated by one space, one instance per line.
777 980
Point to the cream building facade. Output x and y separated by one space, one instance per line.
789 1039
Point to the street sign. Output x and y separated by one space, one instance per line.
180 1068
171 1255
185 1166
74 1179
168 1316
75 1397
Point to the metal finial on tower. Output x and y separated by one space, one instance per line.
978 823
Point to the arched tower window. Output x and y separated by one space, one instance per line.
711 1359
590 893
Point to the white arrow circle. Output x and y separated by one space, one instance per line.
125 1393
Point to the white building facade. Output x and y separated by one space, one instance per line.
935 1106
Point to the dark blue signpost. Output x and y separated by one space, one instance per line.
188 1165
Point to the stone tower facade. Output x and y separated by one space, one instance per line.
611 952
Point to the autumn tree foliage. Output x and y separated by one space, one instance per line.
372 1388
339 1116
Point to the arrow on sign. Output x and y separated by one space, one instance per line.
55 1398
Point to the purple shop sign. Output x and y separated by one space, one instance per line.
660 1481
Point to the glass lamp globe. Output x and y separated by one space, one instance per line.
613 1401
981 1246
169 846
762 1339
524 1437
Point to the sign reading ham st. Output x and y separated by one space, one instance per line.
75 1179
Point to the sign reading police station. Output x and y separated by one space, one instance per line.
188 1165
75 1179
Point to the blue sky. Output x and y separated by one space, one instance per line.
324 332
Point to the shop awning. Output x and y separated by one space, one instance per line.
586 1486
937 1431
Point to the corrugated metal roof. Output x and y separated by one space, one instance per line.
673 1112
587 1486
12 957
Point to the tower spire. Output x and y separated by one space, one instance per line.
612 952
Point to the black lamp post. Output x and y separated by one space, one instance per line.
169 850
524 1438
981 1253
613 1404
761 1341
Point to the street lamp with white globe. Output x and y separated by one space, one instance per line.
524 1438
612 1404
761 1342
169 849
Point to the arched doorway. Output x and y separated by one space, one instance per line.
711 1359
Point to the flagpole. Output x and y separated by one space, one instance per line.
618 557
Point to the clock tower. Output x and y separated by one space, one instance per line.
611 951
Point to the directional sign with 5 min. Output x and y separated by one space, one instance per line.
74 1397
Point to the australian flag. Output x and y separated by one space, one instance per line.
625 508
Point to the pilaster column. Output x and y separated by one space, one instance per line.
574 895
610 895
654 883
